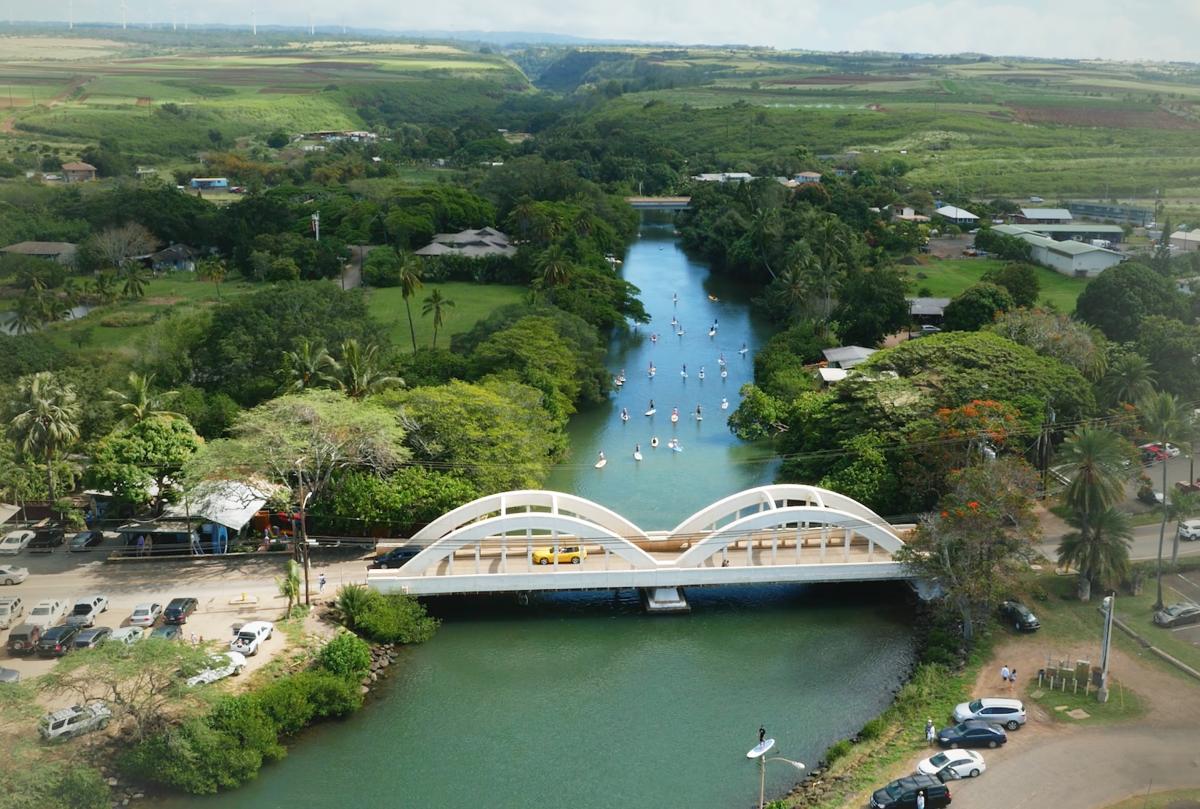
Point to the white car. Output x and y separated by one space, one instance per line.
13 575
222 665
963 763
250 636
46 614
1189 530
74 721
999 711
11 608
1172 450
15 541
86 610
145 614
128 635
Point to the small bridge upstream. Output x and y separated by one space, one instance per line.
659 203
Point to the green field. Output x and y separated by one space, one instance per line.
945 278
472 303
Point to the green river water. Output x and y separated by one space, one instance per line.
579 700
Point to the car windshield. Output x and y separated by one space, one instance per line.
894 790
939 760
83 609
246 637
41 610
141 611
975 706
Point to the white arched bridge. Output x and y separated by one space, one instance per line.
531 540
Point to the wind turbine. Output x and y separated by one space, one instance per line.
124 20
253 21
71 15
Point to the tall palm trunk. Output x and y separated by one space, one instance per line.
411 330
1162 533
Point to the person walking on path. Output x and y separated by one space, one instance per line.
930 732
1012 679
320 582
1004 674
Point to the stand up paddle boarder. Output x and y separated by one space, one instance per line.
762 734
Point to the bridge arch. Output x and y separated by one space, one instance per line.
772 498
530 501
580 531
740 529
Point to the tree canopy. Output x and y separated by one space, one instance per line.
1122 297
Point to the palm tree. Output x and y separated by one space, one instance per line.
309 366
215 270
138 402
104 286
1180 506
289 586
135 280
1099 549
1093 457
436 305
361 374
764 228
1165 420
1129 379
28 316
44 420
410 282
554 265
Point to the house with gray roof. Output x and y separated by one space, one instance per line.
1074 258
479 243
847 357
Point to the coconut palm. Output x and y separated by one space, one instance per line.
554 265
410 282
1129 379
289 587
104 287
309 366
138 401
44 420
361 373
134 280
764 230
1180 506
28 316
1099 549
1093 457
213 269
437 306
1165 419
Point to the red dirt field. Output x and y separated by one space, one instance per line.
1100 117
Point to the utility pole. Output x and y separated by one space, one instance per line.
1044 440
1110 606
300 534
316 224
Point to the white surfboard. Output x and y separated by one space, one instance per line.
759 749
674 417
652 411
600 464
677 448
724 405
637 456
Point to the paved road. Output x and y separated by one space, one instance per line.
1145 542
352 273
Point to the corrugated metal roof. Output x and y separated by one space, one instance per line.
1046 213
951 212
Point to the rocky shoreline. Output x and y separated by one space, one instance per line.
383 655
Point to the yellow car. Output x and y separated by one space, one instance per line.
572 555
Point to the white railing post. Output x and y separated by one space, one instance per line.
824 540
478 549
847 534
528 549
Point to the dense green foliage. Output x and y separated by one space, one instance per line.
1123 296
385 618
360 503
977 307
346 655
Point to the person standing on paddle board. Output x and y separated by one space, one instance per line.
762 734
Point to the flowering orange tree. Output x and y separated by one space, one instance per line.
979 540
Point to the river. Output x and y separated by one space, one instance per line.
580 700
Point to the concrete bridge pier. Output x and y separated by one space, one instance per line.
664 600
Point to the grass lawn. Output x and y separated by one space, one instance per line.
1179 798
945 278
1122 703
472 303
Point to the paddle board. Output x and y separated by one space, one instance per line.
652 411
759 749
637 456
600 464
676 448
674 417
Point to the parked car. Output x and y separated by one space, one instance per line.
145 614
1178 615
926 330
11 608
86 610
1019 616
963 763
1007 712
1152 453
56 641
74 721
1189 530
570 555
10 574
395 557
179 609
128 634
167 632
250 636
16 541
91 638
23 639
220 666
85 540
972 733
46 540
47 613
902 793
9 676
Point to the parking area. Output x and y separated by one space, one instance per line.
1183 587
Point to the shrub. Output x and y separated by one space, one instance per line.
386 619
330 695
873 729
346 656
286 703
121 320
838 749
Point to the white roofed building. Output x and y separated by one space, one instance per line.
958 216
